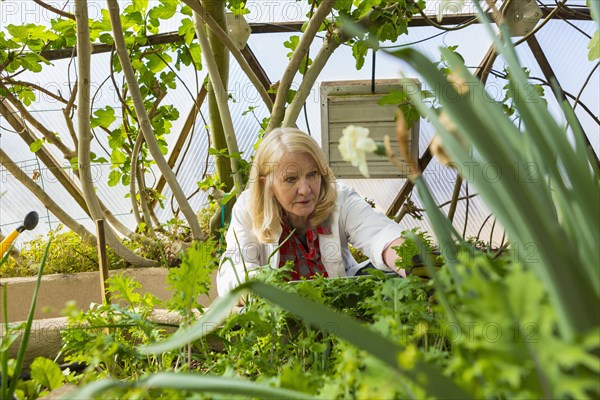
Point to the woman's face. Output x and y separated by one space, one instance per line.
296 186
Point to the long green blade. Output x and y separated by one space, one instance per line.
526 209
326 319
193 383
217 313
4 354
27 331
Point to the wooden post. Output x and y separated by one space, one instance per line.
102 259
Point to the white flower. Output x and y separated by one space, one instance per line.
354 144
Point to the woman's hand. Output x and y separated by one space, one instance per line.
390 256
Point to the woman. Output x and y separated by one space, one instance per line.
292 194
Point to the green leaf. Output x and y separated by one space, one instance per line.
103 25
74 162
165 10
25 94
306 62
40 32
196 54
359 51
96 159
63 25
344 5
103 117
186 10
133 20
387 32
114 177
227 197
169 80
290 95
291 44
107 38
394 97
32 62
18 31
125 179
156 63
7 44
47 373
238 7
36 145
27 330
594 47
192 278
140 5
118 157
411 114
187 30
117 138
250 109
163 146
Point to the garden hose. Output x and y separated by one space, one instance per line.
29 223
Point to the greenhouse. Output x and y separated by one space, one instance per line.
332 199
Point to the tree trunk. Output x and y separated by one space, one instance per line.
133 176
220 95
299 54
222 35
145 125
216 9
330 44
85 135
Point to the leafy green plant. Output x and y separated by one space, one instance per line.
326 319
192 278
73 255
565 191
406 338
503 321
11 369
265 343
508 343
104 338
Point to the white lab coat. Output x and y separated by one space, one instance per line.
352 221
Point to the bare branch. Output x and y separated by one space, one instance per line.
330 44
55 10
47 201
51 137
67 112
301 50
237 54
134 166
38 88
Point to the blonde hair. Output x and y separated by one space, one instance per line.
266 212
